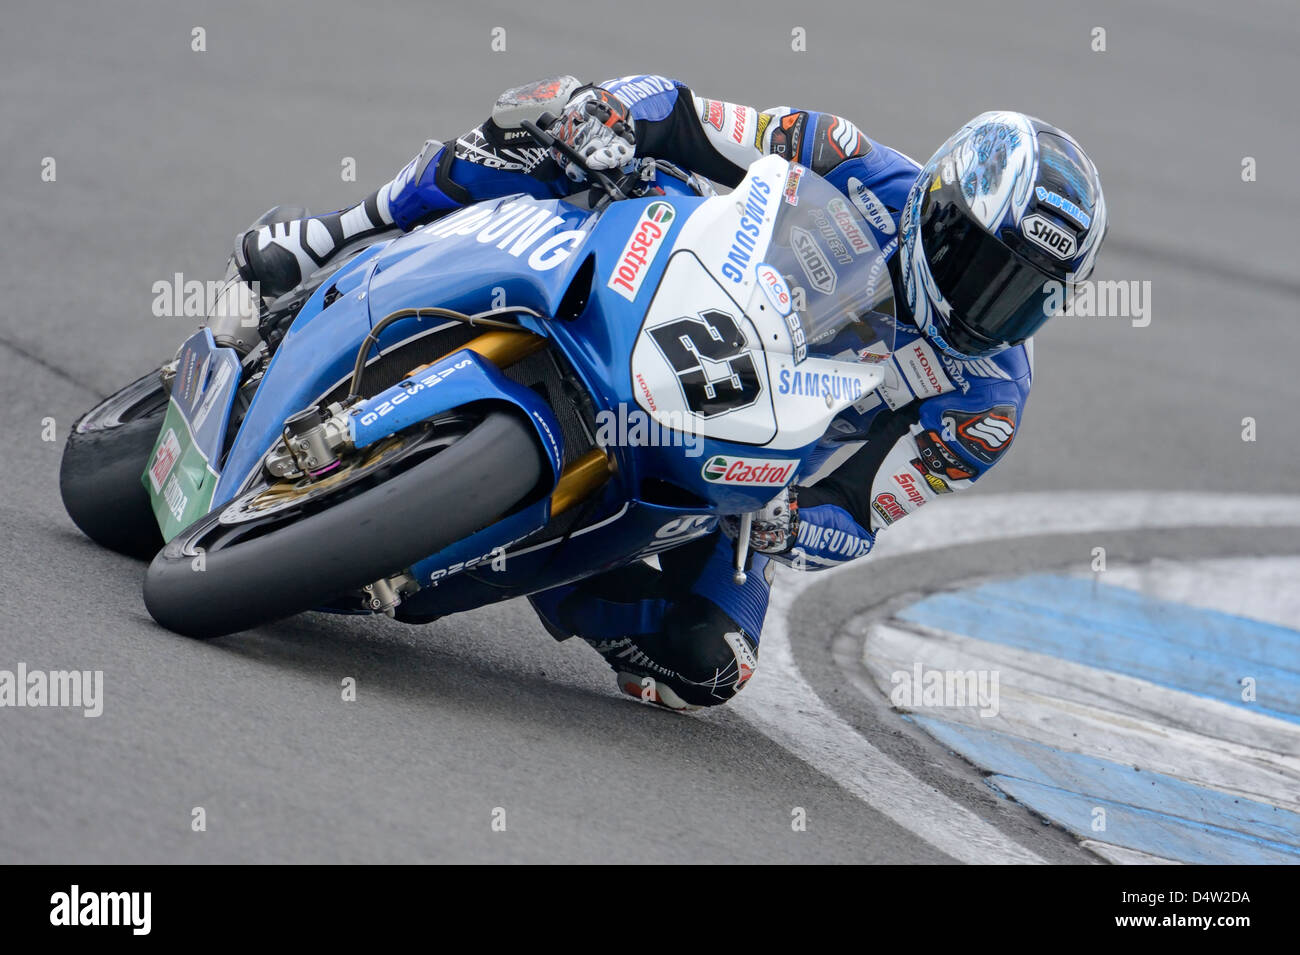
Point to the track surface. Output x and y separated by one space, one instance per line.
163 153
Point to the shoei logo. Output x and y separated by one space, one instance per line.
758 472
814 264
1041 232
642 246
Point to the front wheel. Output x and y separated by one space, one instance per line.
106 455
280 549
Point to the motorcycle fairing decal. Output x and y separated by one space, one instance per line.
180 478
522 227
698 362
731 233
487 549
460 378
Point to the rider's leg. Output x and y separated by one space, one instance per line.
683 637
280 255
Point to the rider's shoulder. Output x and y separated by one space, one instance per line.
1006 375
879 179
648 96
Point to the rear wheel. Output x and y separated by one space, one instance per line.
106 455
283 548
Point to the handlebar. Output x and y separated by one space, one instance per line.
615 189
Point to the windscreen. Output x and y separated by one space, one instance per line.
838 277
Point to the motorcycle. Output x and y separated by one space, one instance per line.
519 395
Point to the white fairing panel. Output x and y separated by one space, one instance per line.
698 364
723 350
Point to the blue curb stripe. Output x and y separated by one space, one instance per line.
1195 650
1151 812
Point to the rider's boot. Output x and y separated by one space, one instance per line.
278 256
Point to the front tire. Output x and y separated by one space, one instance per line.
106 455
212 580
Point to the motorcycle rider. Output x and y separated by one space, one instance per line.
1005 207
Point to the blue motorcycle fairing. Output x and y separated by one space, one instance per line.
459 379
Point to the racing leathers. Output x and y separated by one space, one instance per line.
684 634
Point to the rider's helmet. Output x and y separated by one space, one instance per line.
1001 222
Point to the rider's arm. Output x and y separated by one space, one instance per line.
719 140
910 457
495 158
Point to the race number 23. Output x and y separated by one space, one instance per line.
708 354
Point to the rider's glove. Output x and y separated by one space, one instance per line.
775 527
598 125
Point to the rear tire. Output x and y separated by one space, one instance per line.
344 544
106 455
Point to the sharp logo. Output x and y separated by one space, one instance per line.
1042 233
642 246
755 472
814 264
411 388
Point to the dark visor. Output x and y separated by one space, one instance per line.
996 296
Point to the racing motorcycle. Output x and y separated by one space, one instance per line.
437 419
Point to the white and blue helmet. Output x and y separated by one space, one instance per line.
1005 216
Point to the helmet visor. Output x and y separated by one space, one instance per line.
996 295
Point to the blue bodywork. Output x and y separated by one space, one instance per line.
472 269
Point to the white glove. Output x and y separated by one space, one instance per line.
597 124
